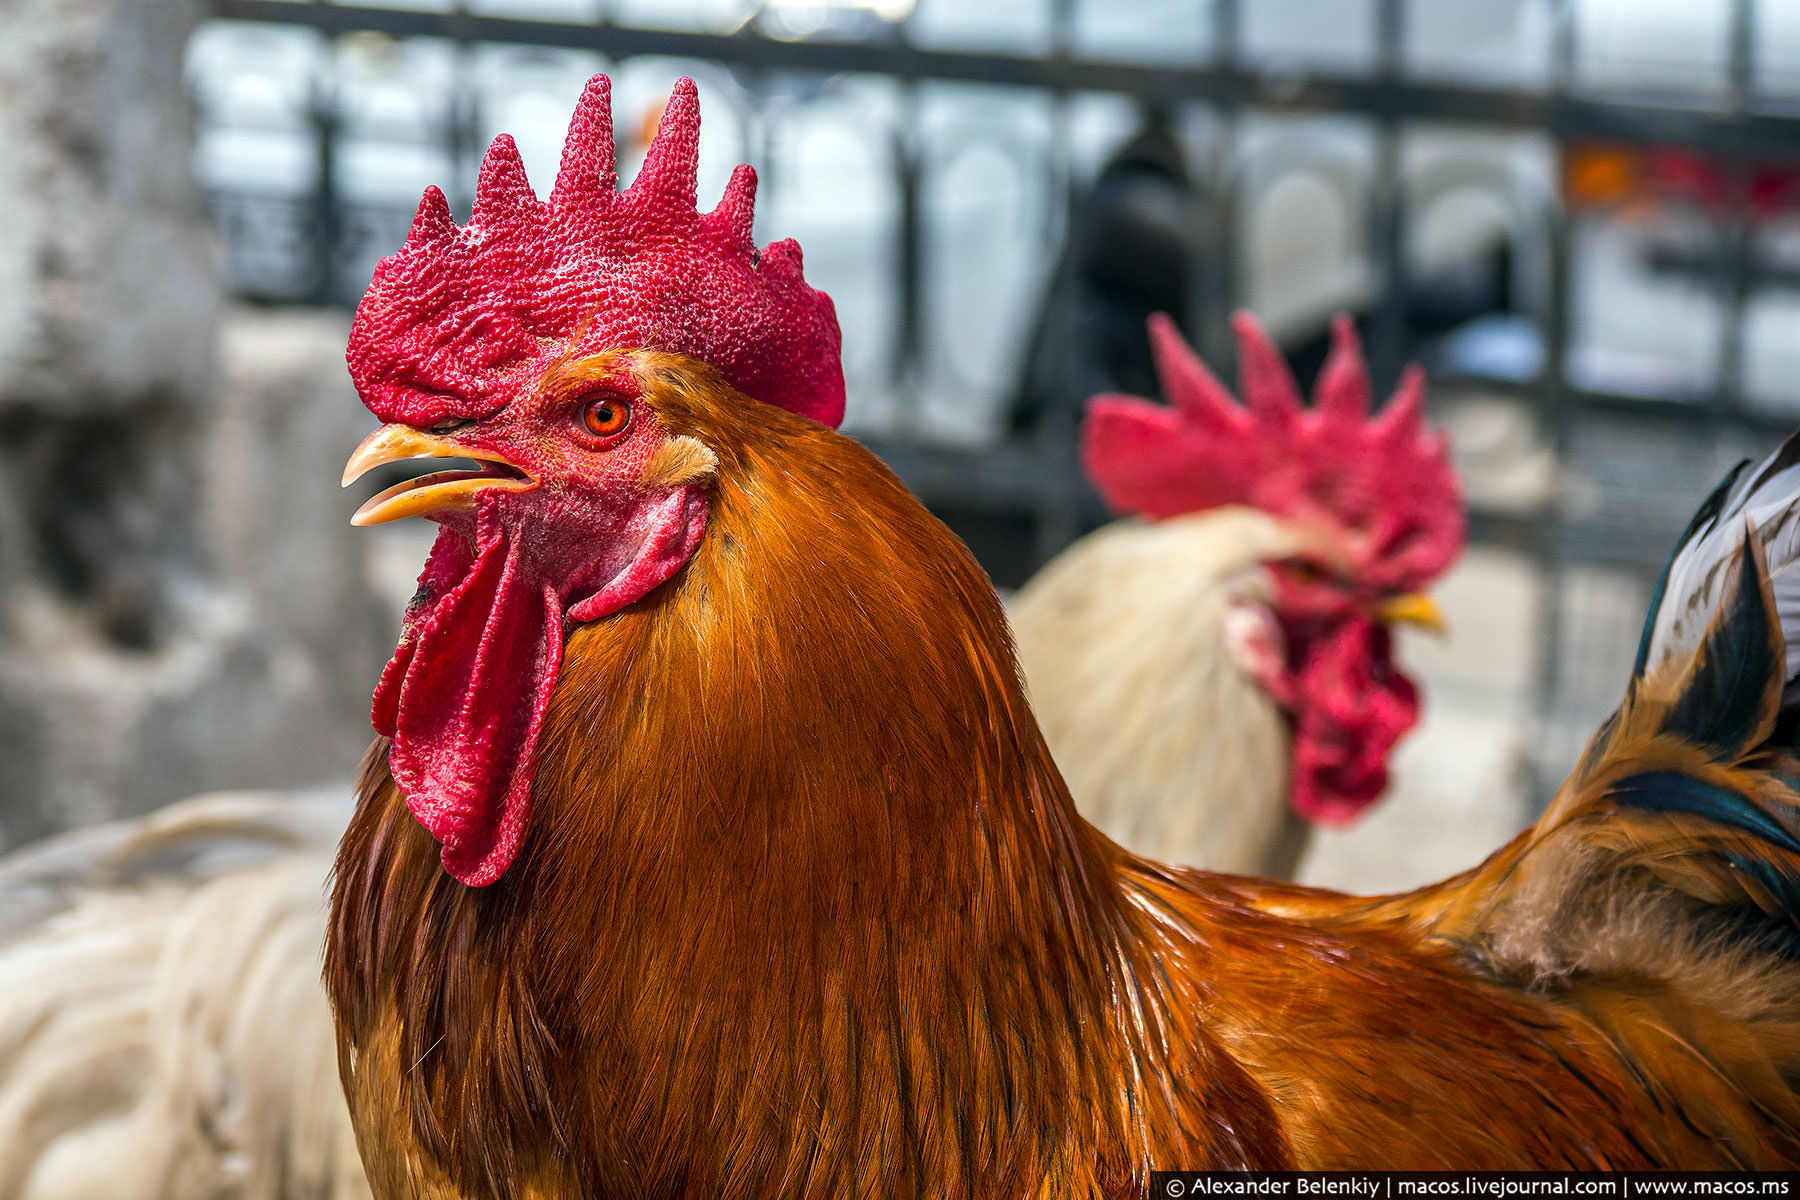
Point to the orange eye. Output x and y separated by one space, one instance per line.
606 416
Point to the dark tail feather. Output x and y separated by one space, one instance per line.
1730 697
1692 783
1685 803
1765 502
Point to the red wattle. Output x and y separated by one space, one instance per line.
476 683
1351 705
446 567
465 695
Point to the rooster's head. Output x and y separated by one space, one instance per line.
535 341
1376 510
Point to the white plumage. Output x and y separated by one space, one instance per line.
163 1031
1167 744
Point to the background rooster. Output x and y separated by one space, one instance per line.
713 848
1217 677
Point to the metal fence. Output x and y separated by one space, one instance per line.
1559 159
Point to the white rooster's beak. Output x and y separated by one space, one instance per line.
1413 608
440 491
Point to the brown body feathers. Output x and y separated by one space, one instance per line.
805 911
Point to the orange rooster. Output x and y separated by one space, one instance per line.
714 851
1218 677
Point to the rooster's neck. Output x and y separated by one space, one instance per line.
805 900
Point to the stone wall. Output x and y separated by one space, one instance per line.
109 301
181 603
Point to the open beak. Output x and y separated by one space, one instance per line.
440 491
1414 608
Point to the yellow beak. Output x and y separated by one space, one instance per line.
440 491
1414 608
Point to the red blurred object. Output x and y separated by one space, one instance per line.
1635 179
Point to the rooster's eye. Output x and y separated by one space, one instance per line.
605 416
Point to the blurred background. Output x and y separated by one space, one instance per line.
1583 216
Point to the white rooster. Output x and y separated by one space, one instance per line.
1217 676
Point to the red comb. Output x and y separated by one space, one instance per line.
456 322
1383 482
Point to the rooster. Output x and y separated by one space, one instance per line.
1217 679
163 1047
710 847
